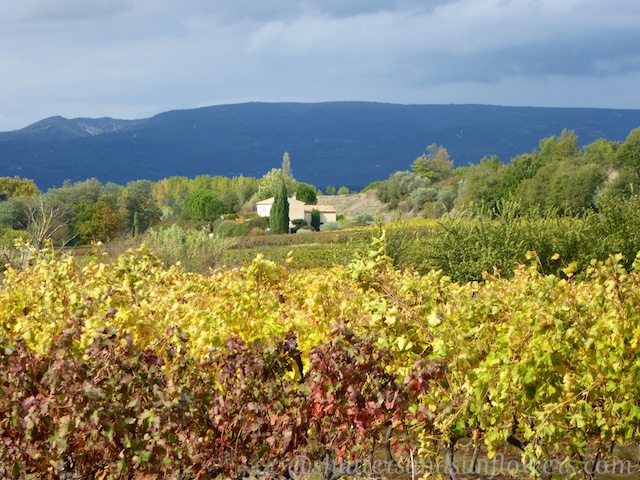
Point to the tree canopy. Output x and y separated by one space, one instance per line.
434 165
203 204
306 193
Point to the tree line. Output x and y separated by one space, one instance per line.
89 211
558 177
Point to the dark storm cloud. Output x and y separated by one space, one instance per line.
139 57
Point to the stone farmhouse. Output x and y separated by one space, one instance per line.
298 209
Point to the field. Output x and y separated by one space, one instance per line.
125 367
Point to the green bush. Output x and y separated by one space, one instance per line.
298 223
8 252
196 250
330 226
230 228
615 228
464 249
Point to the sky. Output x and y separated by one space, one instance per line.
137 58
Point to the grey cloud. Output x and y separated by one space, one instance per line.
270 10
143 56
65 10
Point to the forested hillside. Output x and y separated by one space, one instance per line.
340 143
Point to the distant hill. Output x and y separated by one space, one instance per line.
336 143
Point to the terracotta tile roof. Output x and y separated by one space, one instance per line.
320 208
307 208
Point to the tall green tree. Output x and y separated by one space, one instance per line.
279 216
95 222
13 213
434 165
306 193
270 184
138 198
315 219
482 185
286 166
203 204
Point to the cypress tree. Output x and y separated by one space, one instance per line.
279 216
136 224
315 219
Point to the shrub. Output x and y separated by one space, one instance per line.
9 254
298 223
464 249
364 218
196 250
229 228
330 226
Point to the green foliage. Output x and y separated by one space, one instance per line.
558 178
371 186
306 193
434 165
364 219
614 229
628 154
270 184
286 166
552 150
397 191
13 214
330 190
465 249
343 191
137 198
136 224
230 228
279 216
8 238
17 187
112 365
304 256
9 254
203 204
573 190
482 186
568 186
298 223
330 226
601 152
196 250
234 192
315 219
95 222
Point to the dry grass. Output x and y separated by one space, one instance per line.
355 204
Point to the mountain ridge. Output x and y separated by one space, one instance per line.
330 143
